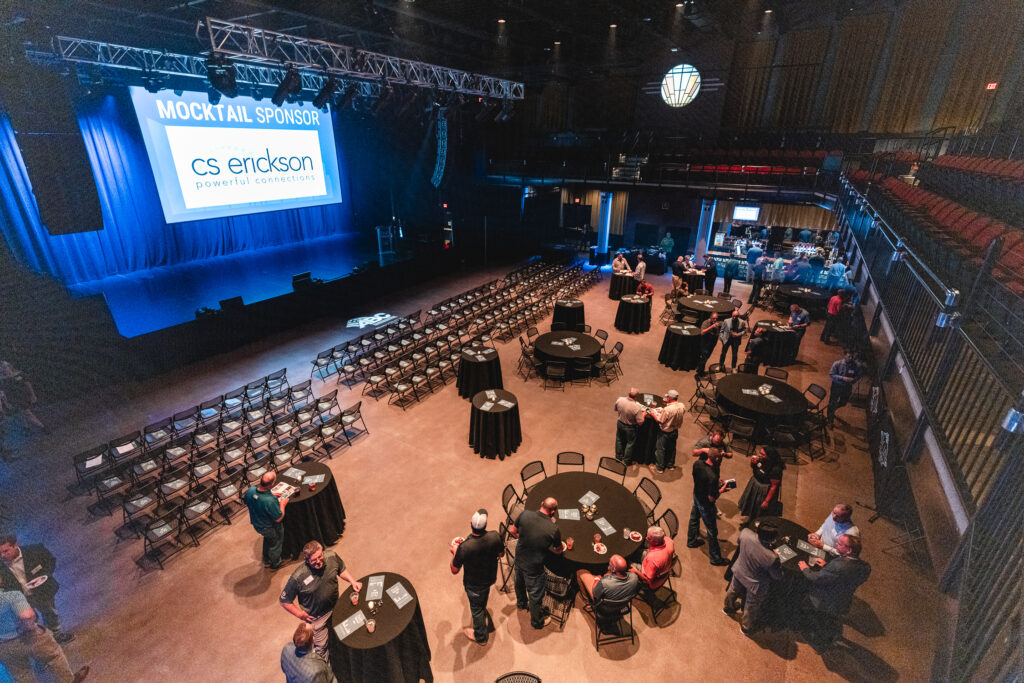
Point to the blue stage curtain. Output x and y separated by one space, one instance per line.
134 235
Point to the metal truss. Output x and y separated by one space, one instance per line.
156 63
260 46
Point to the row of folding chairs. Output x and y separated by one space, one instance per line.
329 361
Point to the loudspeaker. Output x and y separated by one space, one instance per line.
235 303
38 102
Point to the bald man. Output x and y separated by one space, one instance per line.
539 537
265 513
618 584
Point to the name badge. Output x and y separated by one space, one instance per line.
308 580
37 568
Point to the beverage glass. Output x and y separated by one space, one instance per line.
354 597
597 538
568 543
371 625
625 532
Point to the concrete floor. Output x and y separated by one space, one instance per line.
410 486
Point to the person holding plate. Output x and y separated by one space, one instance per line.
538 535
30 568
479 555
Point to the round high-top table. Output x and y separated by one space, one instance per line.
647 434
396 652
569 313
566 347
620 284
494 424
634 314
311 515
615 503
733 394
680 349
814 299
781 343
479 369
694 280
704 306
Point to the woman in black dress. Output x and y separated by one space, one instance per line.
763 495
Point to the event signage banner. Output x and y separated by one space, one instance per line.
237 157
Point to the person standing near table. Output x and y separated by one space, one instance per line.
617 584
836 275
778 268
656 565
757 271
763 495
755 569
844 373
299 663
266 512
835 525
678 270
831 587
23 642
479 555
31 568
315 584
731 271
630 416
707 487
710 274
799 320
708 339
645 290
667 245
756 348
641 268
670 419
538 536
832 312
732 333
620 264
715 439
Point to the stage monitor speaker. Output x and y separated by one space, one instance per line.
38 102
235 303
302 281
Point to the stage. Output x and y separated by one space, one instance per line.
153 299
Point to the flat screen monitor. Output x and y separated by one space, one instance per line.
239 156
745 213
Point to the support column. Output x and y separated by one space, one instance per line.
604 222
707 217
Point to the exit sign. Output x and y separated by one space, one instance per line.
992 86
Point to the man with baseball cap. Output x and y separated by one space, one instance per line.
479 555
670 419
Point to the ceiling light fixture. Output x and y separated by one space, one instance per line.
767 11
558 42
613 25
501 21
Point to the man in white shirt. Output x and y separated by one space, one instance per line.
834 526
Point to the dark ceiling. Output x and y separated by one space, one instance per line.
537 40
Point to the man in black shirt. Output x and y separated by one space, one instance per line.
707 487
709 331
479 555
538 535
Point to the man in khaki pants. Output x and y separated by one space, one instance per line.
23 641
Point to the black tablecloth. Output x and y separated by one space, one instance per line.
553 346
694 280
655 261
634 314
814 299
680 350
396 652
480 369
621 284
496 431
781 343
647 435
763 411
616 504
312 515
704 306
569 313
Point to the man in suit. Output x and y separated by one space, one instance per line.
30 569
831 586
753 572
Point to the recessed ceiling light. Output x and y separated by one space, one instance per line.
767 11
558 42
612 25
679 4
647 18
501 21
675 49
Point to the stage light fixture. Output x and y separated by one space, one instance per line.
290 85
221 74
385 93
501 21
486 107
613 25
325 93
347 95
214 96
506 111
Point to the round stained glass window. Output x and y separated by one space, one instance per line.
680 85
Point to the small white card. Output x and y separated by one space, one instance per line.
606 528
506 404
375 587
399 595
350 625
487 406
568 513
589 498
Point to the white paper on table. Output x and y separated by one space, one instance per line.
294 473
589 498
606 528
375 587
506 404
315 479
487 406
750 392
350 625
490 394
557 343
648 399
785 553
574 347
773 398
568 513
399 595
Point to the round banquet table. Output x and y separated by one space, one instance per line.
479 369
814 299
312 515
396 652
634 314
781 343
495 431
704 306
647 435
616 503
556 346
694 280
761 409
569 313
620 284
680 350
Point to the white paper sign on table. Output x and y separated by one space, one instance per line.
568 513
375 587
589 498
350 625
606 528
399 595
